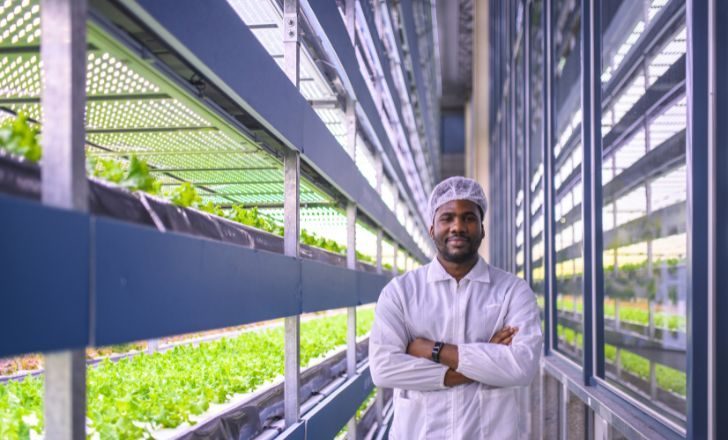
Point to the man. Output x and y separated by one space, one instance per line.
456 337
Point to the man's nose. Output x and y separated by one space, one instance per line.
457 224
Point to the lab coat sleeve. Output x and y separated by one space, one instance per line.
390 365
508 365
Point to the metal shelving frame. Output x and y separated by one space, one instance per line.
97 262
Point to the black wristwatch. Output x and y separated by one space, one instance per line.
436 349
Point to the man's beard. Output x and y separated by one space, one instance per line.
461 256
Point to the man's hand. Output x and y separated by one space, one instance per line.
453 378
504 336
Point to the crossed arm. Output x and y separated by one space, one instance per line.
422 348
401 360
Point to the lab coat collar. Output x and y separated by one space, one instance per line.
479 272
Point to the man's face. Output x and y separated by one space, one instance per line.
457 230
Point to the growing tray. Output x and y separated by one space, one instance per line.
21 178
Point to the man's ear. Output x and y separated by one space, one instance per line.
432 232
482 231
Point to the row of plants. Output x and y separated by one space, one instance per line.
629 312
632 270
667 378
137 396
19 138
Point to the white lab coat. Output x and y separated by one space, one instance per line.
429 303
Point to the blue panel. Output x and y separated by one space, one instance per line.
721 226
326 287
151 284
294 432
329 416
238 60
699 387
44 280
370 285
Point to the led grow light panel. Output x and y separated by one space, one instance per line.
19 76
133 109
272 198
105 74
270 193
20 23
241 176
212 162
173 142
327 222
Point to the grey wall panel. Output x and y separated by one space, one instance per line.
151 284
325 287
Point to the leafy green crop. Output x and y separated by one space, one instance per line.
252 217
185 195
135 176
19 138
133 397
323 243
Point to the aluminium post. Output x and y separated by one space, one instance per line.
63 185
380 392
351 311
591 167
548 182
527 144
351 141
291 222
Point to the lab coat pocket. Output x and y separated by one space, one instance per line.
501 414
408 416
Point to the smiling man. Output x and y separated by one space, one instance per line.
457 337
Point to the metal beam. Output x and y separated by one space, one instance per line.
292 219
718 213
698 223
63 53
548 179
591 167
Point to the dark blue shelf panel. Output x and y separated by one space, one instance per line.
332 413
327 287
370 285
69 280
150 284
44 277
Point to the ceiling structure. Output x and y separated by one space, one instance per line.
455 28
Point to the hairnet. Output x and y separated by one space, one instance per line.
457 188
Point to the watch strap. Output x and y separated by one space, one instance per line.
436 349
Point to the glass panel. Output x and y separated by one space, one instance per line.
644 212
567 177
